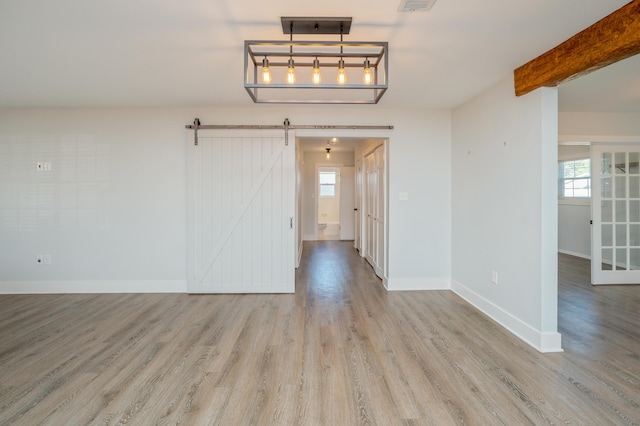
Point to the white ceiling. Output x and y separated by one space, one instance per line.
79 53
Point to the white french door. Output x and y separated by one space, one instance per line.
615 211
241 213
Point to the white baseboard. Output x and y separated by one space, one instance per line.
108 286
409 284
542 341
576 254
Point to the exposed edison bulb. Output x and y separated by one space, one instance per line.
342 75
366 77
315 76
266 74
328 153
291 73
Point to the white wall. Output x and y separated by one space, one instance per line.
111 212
419 234
574 228
598 127
122 227
505 209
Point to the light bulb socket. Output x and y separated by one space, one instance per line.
290 62
265 63
366 63
341 63
316 63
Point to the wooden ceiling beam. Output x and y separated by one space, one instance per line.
609 40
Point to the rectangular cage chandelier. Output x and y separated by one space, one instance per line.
315 72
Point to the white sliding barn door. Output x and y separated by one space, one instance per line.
615 212
241 213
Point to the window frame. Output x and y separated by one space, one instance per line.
327 185
572 199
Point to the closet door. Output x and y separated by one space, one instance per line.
347 203
380 212
358 208
241 210
375 210
371 193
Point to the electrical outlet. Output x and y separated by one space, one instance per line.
47 259
494 277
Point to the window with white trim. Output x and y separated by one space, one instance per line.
574 178
327 184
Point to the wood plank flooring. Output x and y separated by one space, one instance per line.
341 351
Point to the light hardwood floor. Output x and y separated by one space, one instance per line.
341 351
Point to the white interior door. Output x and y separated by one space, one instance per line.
380 212
358 208
241 213
347 203
370 198
615 210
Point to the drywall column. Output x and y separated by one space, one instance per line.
505 210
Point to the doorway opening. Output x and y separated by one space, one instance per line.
342 194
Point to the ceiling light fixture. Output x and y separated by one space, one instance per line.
328 153
265 56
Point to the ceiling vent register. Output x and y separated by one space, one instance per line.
415 5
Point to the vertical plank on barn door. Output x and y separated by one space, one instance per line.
241 203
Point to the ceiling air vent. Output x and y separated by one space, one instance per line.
415 5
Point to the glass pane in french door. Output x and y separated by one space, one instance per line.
620 211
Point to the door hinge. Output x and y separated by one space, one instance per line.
591 222
290 223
